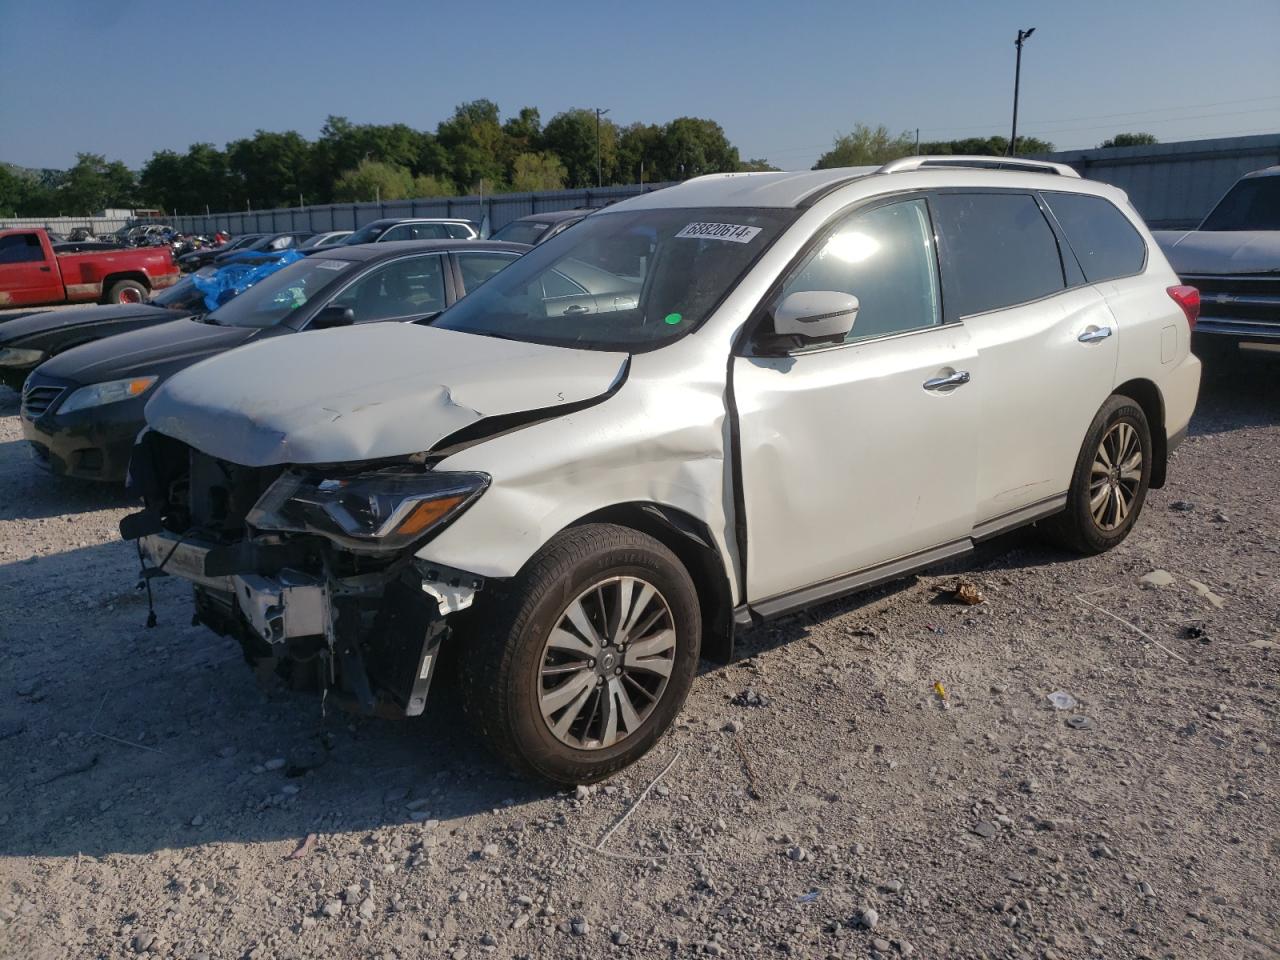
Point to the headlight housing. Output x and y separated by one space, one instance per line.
19 357
375 512
95 395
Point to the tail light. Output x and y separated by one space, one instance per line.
1188 298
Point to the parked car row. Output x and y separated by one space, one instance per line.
688 413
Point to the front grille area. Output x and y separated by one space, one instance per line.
1251 297
37 400
220 494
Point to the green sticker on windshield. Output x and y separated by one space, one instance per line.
673 318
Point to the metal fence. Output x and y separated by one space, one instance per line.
500 209
99 225
1175 184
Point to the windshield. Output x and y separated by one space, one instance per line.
272 299
630 280
1252 204
522 231
183 295
367 234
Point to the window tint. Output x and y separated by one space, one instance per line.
1252 204
401 232
521 231
1000 251
478 267
885 258
1104 241
410 287
21 248
458 231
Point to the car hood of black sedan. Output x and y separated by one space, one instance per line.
159 349
21 328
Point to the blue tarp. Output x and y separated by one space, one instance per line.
234 279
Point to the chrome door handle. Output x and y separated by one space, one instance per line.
575 310
1093 336
957 379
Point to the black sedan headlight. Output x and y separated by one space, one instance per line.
374 512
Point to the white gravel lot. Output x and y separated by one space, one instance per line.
821 798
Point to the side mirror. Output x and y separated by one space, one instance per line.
816 315
333 316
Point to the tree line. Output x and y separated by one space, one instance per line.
474 150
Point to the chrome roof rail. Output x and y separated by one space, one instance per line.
982 163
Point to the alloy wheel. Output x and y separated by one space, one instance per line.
1116 476
606 663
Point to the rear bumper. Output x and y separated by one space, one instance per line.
1180 388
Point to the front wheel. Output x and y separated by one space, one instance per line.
578 666
1109 486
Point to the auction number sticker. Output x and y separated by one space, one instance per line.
332 264
733 232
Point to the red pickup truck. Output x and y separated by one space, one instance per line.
33 271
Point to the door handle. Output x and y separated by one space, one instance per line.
45 269
1093 336
576 309
957 379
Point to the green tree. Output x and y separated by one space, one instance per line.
374 180
520 134
189 183
537 171
472 138
429 185
756 166
865 146
1130 140
23 194
995 146
271 168
571 136
692 146
94 184
639 144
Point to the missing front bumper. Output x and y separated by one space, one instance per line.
378 642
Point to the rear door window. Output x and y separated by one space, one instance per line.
1102 238
476 268
999 251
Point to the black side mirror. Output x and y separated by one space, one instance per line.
333 316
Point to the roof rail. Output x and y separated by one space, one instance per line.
982 163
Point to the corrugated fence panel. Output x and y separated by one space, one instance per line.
1175 184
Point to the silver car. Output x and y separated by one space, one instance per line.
697 410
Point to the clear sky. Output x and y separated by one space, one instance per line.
127 77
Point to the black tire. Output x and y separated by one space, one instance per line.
501 653
1076 528
125 291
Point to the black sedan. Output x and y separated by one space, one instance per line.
82 409
196 259
28 340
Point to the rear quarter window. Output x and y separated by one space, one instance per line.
999 251
1104 241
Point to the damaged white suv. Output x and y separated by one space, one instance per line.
696 410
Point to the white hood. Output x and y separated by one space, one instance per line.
366 392
1221 251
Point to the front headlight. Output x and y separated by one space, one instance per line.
367 512
112 391
17 357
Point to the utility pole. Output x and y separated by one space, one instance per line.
917 141
1023 35
599 167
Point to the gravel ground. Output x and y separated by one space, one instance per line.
819 798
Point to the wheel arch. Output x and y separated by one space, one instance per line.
1147 395
112 279
690 540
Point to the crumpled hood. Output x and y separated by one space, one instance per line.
1221 251
366 392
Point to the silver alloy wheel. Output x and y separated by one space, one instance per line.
606 663
1116 476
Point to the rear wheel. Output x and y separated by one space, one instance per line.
1109 486
581 663
127 291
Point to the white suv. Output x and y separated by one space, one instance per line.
699 409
